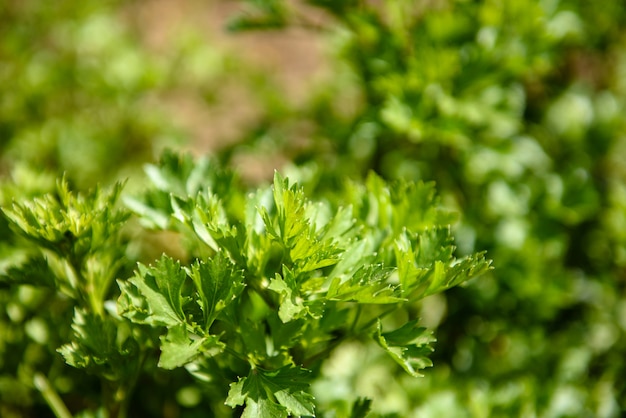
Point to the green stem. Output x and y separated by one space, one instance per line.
87 290
52 398
372 321
131 384
308 363
357 316
353 333
237 355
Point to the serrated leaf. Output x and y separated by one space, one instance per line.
99 346
179 179
70 224
161 287
210 222
255 407
367 285
341 226
94 335
282 391
433 244
218 284
291 303
355 256
131 303
178 348
411 276
285 335
459 272
408 345
426 265
34 270
416 207
290 218
309 254
171 173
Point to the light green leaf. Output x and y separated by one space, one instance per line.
408 345
161 287
149 216
178 347
369 284
72 224
356 255
291 303
291 221
426 265
218 284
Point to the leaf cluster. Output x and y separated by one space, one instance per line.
78 235
283 280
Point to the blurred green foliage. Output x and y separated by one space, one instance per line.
72 80
78 99
515 110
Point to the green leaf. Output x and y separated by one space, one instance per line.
291 304
160 286
356 255
101 346
426 265
309 254
369 284
211 223
266 14
179 179
361 408
34 270
256 407
463 270
178 347
290 221
179 175
408 345
218 284
149 216
283 392
70 224
285 335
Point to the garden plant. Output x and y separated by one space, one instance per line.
140 280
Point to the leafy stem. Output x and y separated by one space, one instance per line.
238 355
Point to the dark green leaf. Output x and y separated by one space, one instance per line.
361 408
283 391
101 346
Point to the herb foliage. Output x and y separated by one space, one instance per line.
274 282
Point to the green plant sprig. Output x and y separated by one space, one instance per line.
279 281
